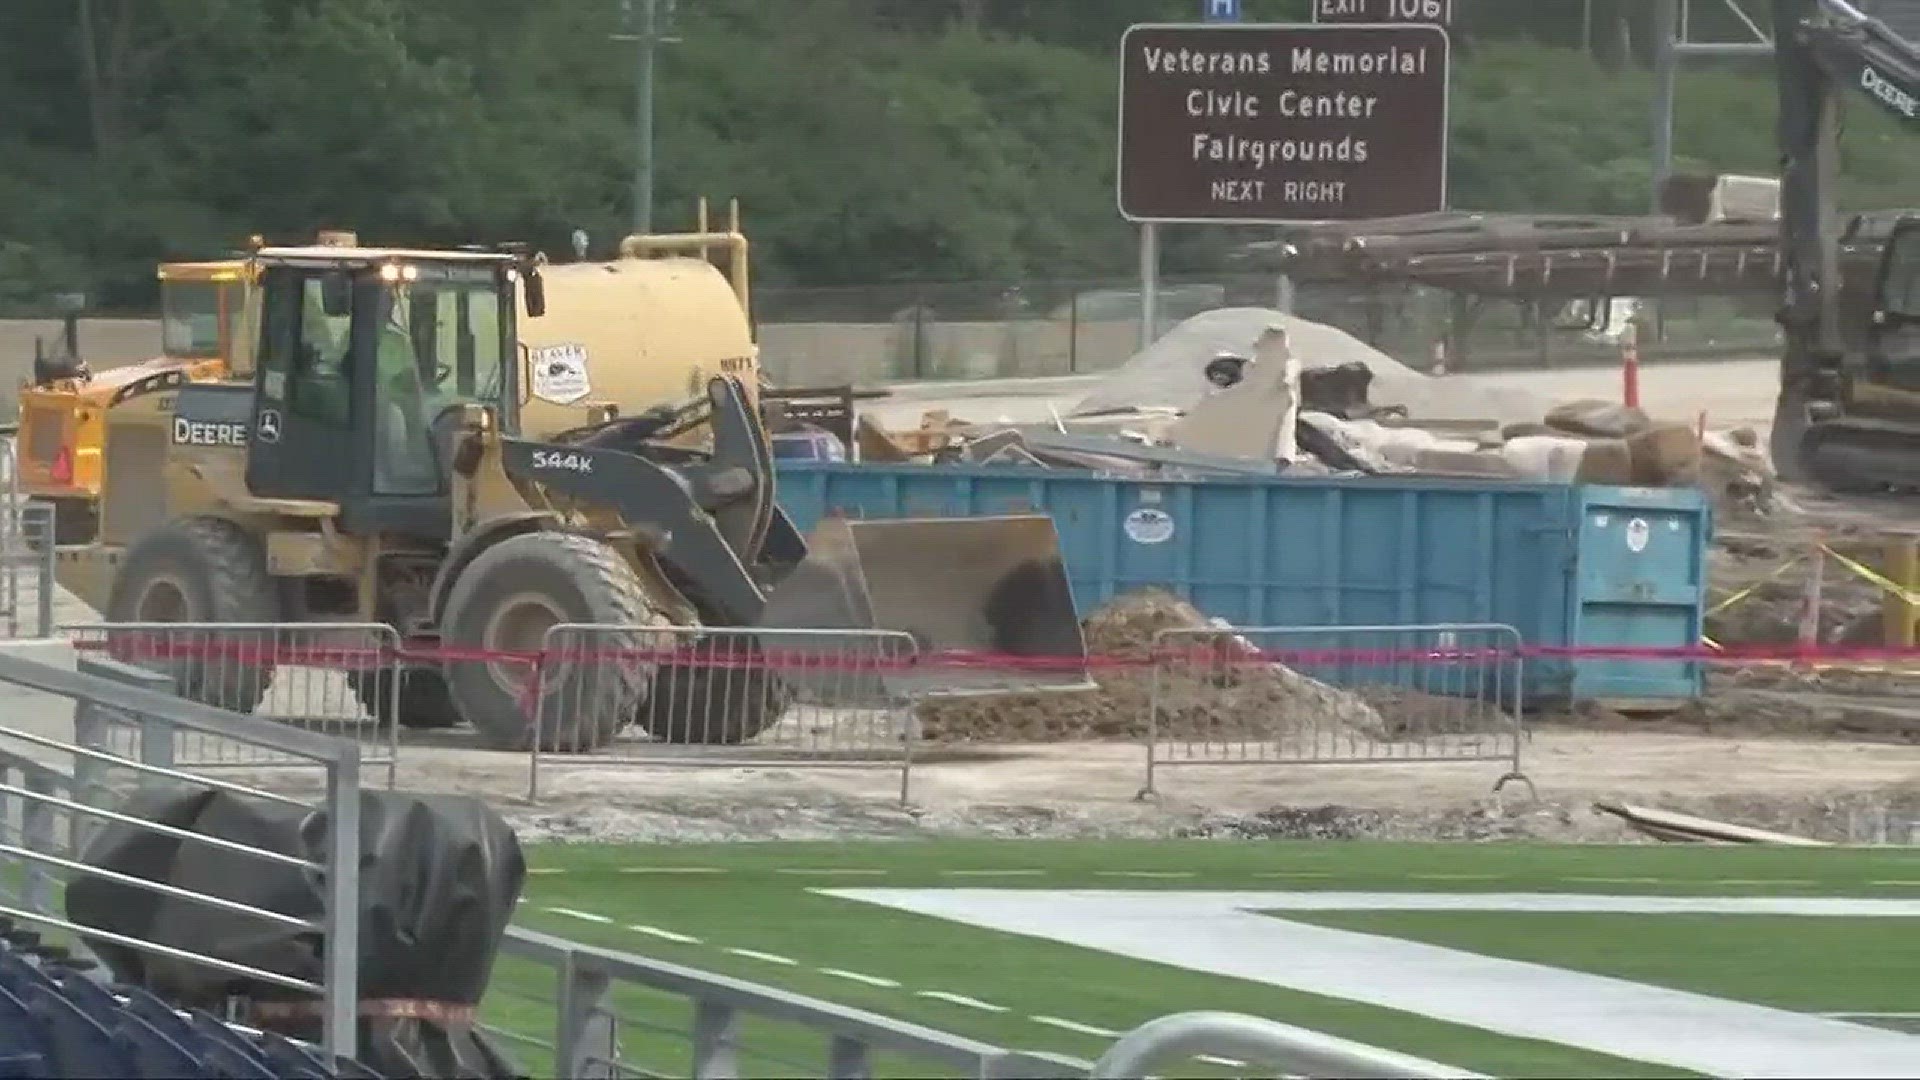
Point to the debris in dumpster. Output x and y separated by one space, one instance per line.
1306 399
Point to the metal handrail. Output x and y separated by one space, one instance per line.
175 712
162 715
586 973
1283 1047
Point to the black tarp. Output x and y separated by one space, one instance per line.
439 877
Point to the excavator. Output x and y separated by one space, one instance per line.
402 448
205 315
1848 412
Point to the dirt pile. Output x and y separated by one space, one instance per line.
1219 695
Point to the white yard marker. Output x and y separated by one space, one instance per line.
831 871
1075 1025
1616 880
855 976
587 916
991 873
1897 882
1167 874
961 1000
766 957
663 933
1296 874
672 870
1762 881
546 870
1228 1063
1454 877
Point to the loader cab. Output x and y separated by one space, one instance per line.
206 312
1887 381
363 357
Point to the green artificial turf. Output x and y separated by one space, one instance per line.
761 897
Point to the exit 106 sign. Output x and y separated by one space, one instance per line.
1437 12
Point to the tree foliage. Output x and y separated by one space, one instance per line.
868 140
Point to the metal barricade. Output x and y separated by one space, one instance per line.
727 697
337 679
27 588
1336 695
44 841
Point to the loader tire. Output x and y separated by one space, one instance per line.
200 570
693 705
425 702
506 600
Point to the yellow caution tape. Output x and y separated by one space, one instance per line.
1772 576
1885 585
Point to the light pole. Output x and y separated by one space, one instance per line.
648 27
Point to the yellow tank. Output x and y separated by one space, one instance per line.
645 330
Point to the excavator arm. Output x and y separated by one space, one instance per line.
1822 48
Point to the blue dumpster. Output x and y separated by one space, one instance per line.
1565 565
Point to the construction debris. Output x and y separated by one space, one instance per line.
1685 828
1251 391
1238 697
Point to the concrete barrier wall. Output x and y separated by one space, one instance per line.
797 354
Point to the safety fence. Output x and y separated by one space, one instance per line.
65 812
703 696
688 697
27 590
336 679
1341 695
1848 609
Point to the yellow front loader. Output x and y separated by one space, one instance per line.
409 451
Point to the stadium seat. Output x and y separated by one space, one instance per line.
23 1052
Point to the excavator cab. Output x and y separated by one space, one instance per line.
1887 382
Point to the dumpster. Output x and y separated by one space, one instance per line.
1564 565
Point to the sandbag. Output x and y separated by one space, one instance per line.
1598 419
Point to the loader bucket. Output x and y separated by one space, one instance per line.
989 592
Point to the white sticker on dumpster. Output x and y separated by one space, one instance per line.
1149 526
1638 533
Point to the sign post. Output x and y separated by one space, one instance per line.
1231 123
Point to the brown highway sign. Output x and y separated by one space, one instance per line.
1257 124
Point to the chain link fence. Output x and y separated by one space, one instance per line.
1348 695
727 697
879 333
336 679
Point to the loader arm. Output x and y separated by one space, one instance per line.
1822 47
661 504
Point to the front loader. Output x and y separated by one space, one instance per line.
376 468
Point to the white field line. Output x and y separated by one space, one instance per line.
1077 1026
764 957
585 916
961 1000
663 933
855 976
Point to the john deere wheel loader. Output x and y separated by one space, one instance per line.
205 315
406 453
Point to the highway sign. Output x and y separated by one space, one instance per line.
1259 124
1220 11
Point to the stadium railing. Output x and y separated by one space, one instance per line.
66 789
53 790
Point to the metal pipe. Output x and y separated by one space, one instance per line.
1296 1051
1666 75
